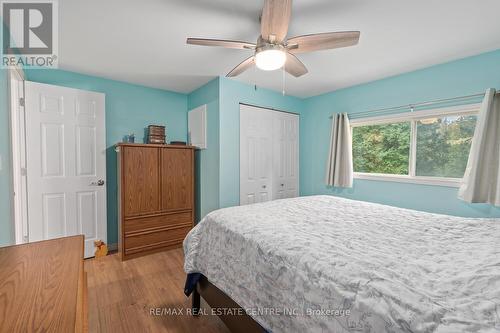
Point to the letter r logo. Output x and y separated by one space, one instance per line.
28 27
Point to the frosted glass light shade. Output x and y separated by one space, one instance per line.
270 60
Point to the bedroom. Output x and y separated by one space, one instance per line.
340 182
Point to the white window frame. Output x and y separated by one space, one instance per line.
413 117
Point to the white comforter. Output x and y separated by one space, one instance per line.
328 264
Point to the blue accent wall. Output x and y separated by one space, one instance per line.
219 165
458 78
232 93
6 225
129 109
207 160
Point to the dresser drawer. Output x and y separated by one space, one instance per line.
150 240
135 225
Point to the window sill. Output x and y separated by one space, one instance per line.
436 181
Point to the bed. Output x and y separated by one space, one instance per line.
329 264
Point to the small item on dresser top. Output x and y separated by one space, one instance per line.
156 130
179 143
156 134
131 138
156 139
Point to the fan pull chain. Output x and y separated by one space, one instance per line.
254 75
283 81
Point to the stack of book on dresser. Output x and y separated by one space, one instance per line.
156 134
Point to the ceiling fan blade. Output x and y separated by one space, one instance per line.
243 66
294 66
323 41
231 44
275 20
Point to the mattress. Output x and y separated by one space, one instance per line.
328 264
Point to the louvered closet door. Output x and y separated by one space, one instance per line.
285 155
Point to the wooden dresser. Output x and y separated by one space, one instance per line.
43 287
156 197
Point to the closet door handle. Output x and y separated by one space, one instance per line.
100 182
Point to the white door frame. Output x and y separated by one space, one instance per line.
15 78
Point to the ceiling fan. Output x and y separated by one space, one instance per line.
273 50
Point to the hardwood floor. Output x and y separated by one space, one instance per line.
121 295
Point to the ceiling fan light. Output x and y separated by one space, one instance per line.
270 60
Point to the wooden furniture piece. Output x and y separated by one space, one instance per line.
236 321
43 287
156 197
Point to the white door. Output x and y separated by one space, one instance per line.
256 149
285 155
66 163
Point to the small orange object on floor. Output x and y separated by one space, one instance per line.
101 248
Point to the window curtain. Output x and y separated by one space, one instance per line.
481 182
339 169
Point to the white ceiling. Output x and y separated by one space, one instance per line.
144 42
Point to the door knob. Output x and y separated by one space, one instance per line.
100 182
263 186
282 185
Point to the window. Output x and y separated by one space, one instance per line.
382 148
443 145
430 147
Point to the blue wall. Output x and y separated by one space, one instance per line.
129 109
207 160
6 225
231 94
458 78
219 176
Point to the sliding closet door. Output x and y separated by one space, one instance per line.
285 155
256 151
